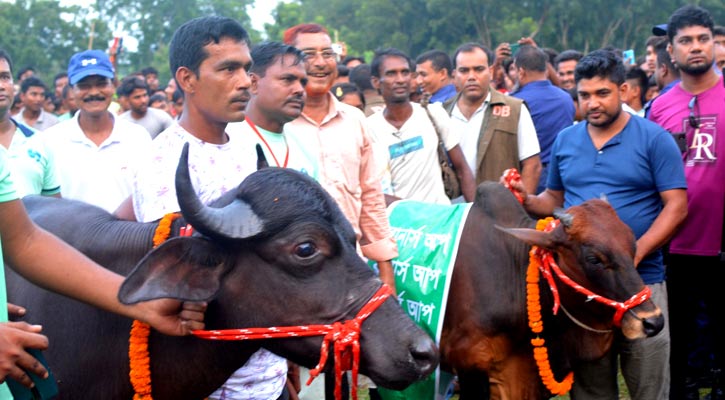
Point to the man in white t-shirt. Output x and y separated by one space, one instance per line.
216 92
407 136
95 152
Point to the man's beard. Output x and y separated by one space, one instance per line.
607 122
695 70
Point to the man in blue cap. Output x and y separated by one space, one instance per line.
95 153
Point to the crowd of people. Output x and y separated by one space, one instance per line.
647 133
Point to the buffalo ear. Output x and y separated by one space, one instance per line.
531 236
187 269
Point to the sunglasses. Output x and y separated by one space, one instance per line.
694 117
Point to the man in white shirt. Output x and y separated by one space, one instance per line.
94 152
215 87
497 131
408 138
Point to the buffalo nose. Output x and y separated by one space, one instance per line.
425 354
653 325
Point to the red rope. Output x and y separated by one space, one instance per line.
511 176
548 265
342 335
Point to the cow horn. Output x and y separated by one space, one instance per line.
236 220
565 218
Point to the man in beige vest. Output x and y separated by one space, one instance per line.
496 130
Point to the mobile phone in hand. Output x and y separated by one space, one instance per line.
44 389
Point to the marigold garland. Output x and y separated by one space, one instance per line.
138 343
533 307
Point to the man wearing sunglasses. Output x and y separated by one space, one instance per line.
694 112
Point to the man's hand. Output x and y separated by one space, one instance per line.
15 311
15 337
172 317
502 52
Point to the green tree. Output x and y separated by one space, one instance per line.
44 35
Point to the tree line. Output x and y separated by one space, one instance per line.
44 34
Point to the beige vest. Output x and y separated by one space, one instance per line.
498 139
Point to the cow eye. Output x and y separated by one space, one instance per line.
305 250
594 260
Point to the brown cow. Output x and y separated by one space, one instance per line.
486 338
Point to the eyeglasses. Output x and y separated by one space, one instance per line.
694 117
327 54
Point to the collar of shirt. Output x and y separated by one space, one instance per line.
332 112
443 94
77 135
456 112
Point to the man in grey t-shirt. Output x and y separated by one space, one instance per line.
135 89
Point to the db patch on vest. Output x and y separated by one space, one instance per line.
501 111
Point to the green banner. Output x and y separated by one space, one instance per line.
428 237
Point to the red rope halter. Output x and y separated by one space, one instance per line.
342 335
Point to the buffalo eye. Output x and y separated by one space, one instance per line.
305 250
594 260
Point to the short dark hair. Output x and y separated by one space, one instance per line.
5 56
32 82
567 55
267 53
342 70
347 60
381 55
438 59
290 35
340 90
149 71
688 16
651 41
66 91
600 63
471 47
178 94
663 56
531 58
187 48
360 76
59 75
636 74
131 83
551 54
24 70
157 97
718 30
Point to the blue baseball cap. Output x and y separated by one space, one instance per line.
659 30
87 63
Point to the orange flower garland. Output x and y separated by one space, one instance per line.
533 307
138 343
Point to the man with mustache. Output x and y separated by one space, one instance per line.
278 80
209 58
94 151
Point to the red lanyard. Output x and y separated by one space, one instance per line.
259 135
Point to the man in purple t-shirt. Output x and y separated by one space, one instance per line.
694 112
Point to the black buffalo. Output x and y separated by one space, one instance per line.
276 251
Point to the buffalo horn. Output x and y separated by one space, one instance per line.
565 218
236 220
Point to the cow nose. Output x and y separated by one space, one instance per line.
425 354
653 325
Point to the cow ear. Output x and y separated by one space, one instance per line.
530 236
187 269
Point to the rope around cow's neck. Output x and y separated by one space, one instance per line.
345 334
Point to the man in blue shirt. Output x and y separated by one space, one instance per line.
637 166
434 70
551 107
